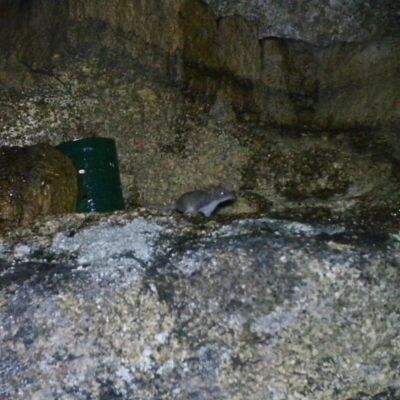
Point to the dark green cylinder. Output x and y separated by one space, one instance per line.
99 184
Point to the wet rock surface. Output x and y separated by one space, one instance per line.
35 181
132 307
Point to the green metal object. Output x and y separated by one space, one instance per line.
99 184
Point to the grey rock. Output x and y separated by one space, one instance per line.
316 21
139 309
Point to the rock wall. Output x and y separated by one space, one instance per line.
304 78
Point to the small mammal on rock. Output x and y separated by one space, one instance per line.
198 201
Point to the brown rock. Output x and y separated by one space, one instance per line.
362 89
34 181
239 47
199 30
289 77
